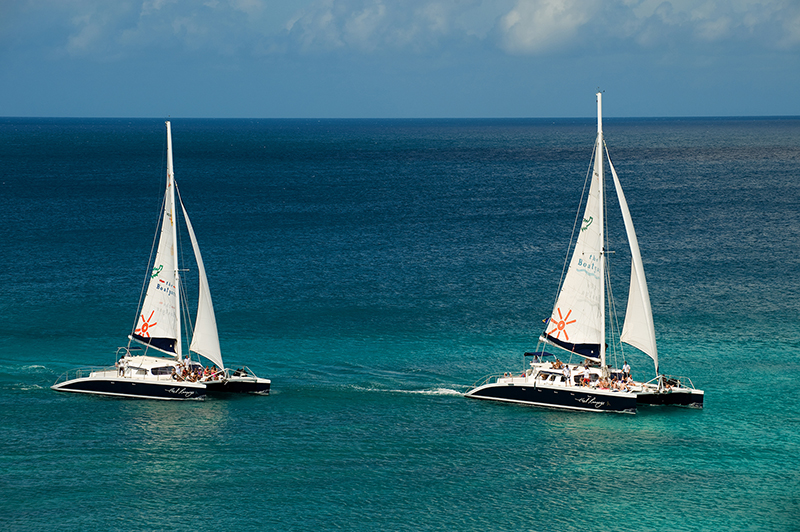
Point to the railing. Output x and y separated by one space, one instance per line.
669 380
82 372
131 372
242 371
142 373
486 379
139 372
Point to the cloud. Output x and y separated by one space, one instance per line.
372 25
535 26
790 36
92 26
87 32
538 26
112 31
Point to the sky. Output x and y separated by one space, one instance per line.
398 58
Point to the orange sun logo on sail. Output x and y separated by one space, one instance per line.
561 325
142 330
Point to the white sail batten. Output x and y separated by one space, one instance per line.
639 329
205 339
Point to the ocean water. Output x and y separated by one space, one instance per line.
374 270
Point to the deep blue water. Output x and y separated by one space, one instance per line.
374 270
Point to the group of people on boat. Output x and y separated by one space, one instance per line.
195 372
617 380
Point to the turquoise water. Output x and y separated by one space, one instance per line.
374 270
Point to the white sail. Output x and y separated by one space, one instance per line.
157 323
639 330
577 321
205 340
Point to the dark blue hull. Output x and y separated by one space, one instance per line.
675 398
568 397
138 389
255 386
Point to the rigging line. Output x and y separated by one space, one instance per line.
184 303
179 244
616 332
188 329
611 302
606 246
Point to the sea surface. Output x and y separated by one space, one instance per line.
374 270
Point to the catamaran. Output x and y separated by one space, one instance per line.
577 326
153 365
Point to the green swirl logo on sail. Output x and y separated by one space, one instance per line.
587 223
156 271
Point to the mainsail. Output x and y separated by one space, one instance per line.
157 324
577 321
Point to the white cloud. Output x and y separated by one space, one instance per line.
113 30
540 25
790 37
93 27
87 32
362 25
371 25
537 26
254 8
715 28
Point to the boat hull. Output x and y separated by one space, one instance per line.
561 397
252 385
690 398
133 388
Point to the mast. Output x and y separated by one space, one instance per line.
599 166
171 193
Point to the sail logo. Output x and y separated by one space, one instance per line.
588 267
587 222
156 271
165 287
561 325
145 326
